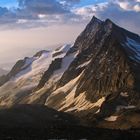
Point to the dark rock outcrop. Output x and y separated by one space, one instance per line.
16 69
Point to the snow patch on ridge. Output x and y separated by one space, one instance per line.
124 94
64 66
120 107
134 46
84 64
63 49
111 118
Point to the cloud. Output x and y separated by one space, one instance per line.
125 15
34 13
42 13
3 11
70 1
42 6
129 5
90 10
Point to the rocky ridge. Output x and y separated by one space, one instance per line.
96 79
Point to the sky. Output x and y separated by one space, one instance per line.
27 26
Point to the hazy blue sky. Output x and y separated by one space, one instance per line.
81 3
30 25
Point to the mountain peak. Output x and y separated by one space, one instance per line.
95 79
108 21
94 23
95 19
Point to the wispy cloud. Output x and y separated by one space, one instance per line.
129 5
38 13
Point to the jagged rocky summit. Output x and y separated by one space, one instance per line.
97 79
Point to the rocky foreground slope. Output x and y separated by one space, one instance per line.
97 79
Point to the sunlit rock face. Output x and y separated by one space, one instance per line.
104 75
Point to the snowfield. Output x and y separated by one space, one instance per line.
31 73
